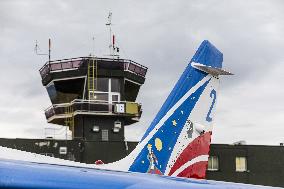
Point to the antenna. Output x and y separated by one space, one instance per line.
49 49
93 46
37 50
112 47
110 32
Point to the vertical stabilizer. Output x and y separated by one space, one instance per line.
177 141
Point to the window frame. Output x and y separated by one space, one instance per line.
91 93
211 160
109 94
241 167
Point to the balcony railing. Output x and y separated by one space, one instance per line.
60 65
93 107
75 63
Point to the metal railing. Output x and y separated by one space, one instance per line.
60 65
87 106
134 68
75 63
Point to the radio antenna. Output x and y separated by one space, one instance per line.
37 50
109 24
112 46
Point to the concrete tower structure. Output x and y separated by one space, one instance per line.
94 97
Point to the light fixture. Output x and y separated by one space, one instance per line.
96 129
63 150
117 124
116 130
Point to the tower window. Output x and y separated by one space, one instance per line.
102 84
115 98
241 164
115 85
101 97
213 163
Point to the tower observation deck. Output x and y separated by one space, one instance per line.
94 97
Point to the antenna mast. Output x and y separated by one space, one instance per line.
49 49
37 49
109 23
112 47
93 46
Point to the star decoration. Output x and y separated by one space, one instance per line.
174 123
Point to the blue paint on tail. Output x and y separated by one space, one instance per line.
206 54
155 155
168 134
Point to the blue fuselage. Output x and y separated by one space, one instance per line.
20 174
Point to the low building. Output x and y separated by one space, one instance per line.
252 164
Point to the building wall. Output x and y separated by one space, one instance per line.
106 151
85 151
265 164
84 127
46 147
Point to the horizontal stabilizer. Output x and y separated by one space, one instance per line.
211 70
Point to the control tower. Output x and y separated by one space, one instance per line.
94 97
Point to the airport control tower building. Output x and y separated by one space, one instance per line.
94 97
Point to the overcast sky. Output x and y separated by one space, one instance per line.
162 35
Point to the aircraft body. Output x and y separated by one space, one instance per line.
23 174
176 144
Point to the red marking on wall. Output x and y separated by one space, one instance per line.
199 146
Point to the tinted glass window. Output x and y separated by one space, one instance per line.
102 84
115 98
51 92
100 96
115 85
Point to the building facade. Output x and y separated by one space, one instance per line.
252 164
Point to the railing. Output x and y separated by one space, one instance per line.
60 65
135 68
75 63
88 106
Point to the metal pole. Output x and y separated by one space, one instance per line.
110 34
49 49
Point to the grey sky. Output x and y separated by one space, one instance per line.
163 35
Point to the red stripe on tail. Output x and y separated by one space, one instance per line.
197 170
199 146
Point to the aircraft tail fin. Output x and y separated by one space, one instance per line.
177 141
